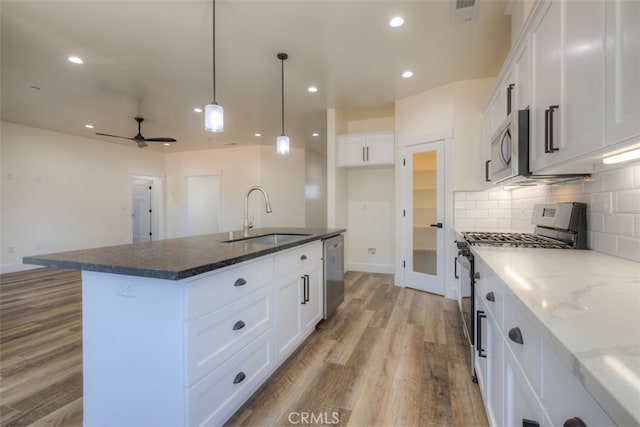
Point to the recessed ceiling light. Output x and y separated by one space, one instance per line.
231 143
166 144
197 110
315 134
407 74
258 134
88 126
312 89
396 21
75 60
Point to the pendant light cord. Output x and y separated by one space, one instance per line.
214 51
282 61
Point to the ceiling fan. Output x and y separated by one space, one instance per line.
139 139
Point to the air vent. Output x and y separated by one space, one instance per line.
463 11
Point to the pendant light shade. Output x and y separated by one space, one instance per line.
282 143
214 113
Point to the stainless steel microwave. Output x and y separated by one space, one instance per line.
510 148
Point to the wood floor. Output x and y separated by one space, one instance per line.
389 357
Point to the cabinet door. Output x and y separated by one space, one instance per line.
289 295
622 70
522 407
481 349
495 372
583 57
311 310
380 149
521 95
351 150
546 53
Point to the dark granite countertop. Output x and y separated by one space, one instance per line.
175 259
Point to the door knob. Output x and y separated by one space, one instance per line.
437 225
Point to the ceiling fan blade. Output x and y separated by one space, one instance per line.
114 136
160 139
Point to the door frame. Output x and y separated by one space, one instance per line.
157 206
446 135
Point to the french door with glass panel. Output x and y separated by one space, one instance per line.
423 215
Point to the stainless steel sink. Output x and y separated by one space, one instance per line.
269 239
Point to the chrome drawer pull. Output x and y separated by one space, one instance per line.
303 258
239 378
240 282
515 335
491 297
239 325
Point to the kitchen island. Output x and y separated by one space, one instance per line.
183 331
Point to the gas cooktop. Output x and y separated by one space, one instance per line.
523 240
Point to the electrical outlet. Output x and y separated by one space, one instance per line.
372 251
126 290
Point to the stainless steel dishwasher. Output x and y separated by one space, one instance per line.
333 274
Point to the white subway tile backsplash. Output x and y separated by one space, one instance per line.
620 224
629 201
619 179
613 208
629 248
607 243
459 195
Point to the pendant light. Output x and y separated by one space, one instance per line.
282 143
214 113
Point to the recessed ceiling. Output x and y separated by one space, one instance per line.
153 59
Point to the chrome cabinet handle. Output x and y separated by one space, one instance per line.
240 282
239 325
239 378
515 335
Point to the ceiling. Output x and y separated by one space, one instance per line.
154 59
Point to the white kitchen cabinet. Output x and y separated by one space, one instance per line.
522 406
298 300
366 149
622 70
567 62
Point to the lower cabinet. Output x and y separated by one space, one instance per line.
522 379
298 297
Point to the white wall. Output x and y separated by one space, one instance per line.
315 190
240 169
62 192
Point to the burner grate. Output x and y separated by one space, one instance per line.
523 240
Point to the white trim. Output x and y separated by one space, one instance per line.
431 136
372 268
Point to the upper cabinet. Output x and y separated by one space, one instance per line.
567 43
622 71
366 149
576 66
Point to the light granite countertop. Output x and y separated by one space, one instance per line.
176 259
588 305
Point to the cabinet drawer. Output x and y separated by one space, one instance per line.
216 336
565 398
529 353
208 293
217 396
493 293
297 258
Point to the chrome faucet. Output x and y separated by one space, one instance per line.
246 225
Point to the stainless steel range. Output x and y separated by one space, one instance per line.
557 226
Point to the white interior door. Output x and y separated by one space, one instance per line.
423 213
142 211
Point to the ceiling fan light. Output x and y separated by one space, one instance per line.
214 118
282 144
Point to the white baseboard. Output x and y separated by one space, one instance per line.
372 268
13 268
